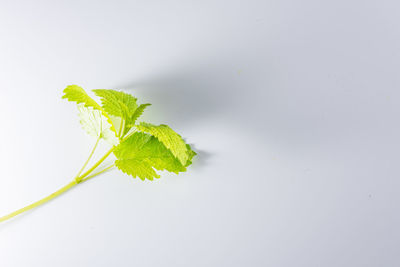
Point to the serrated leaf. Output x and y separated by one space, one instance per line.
137 168
96 124
169 138
138 112
141 154
117 103
76 94
191 154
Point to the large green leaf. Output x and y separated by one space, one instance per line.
141 155
169 138
117 103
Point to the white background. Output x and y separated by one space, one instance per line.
293 107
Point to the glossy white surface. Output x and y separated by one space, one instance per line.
293 107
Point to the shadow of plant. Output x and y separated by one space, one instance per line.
191 97
186 97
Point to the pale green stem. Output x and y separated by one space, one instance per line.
127 136
76 181
97 173
123 129
88 159
40 202
79 179
121 126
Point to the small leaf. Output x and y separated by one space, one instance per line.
77 94
96 124
169 138
138 112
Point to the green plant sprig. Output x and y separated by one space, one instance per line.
141 149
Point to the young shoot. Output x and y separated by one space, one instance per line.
141 149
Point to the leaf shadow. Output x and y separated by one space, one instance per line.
186 97
201 159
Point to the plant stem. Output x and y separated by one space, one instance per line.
97 173
77 180
122 125
40 202
90 156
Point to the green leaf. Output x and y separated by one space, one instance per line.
96 124
77 94
141 154
132 120
117 103
138 112
121 105
169 138
191 154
